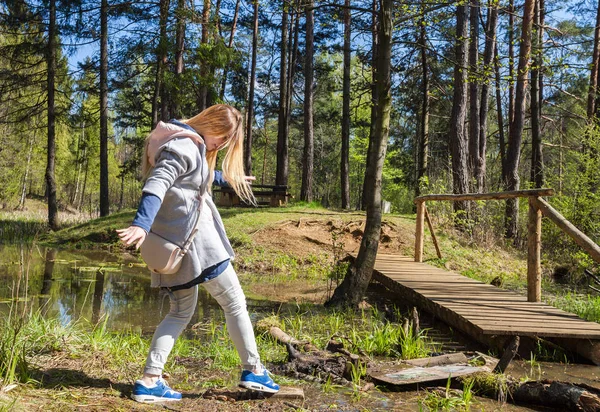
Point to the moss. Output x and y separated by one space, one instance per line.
263 325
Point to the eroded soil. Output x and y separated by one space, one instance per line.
311 236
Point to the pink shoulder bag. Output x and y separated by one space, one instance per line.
163 256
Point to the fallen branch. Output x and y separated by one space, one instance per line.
564 396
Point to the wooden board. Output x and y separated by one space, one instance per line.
427 369
476 307
419 374
288 393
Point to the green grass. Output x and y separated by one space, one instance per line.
364 332
23 336
27 338
15 230
584 305
17 226
94 233
450 400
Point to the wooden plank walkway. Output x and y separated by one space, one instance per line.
486 309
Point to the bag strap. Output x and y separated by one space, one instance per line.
202 190
190 238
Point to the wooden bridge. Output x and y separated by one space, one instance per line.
484 312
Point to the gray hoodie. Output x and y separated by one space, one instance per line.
179 177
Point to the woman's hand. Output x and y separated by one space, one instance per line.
133 234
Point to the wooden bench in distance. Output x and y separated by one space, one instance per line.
276 195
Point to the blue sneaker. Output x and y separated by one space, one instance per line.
160 392
258 382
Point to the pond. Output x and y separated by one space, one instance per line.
88 285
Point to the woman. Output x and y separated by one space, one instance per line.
179 162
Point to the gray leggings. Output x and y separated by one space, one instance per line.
227 291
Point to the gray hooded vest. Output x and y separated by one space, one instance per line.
179 179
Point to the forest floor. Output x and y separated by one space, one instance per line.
285 256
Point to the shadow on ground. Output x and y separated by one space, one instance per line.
59 378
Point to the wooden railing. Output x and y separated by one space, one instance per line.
537 207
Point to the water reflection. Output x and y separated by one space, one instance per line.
76 285
44 297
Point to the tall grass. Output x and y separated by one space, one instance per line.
448 400
20 230
17 226
366 332
585 306
23 336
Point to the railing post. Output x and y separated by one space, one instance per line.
534 239
419 231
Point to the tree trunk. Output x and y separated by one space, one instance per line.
293 57
307 159
217 36
501 138
374 97
282 137
474 115
218 18
458 137
179 50
593 89
345 154
537 172
79 161
264 165
354 285
250 111
122 191
85 177
488 56
511 63
229 46
204 64
513 152
51 153
161 59
30 141
104 200
423 144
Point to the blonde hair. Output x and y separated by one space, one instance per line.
225 122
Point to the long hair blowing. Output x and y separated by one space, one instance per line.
226 123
